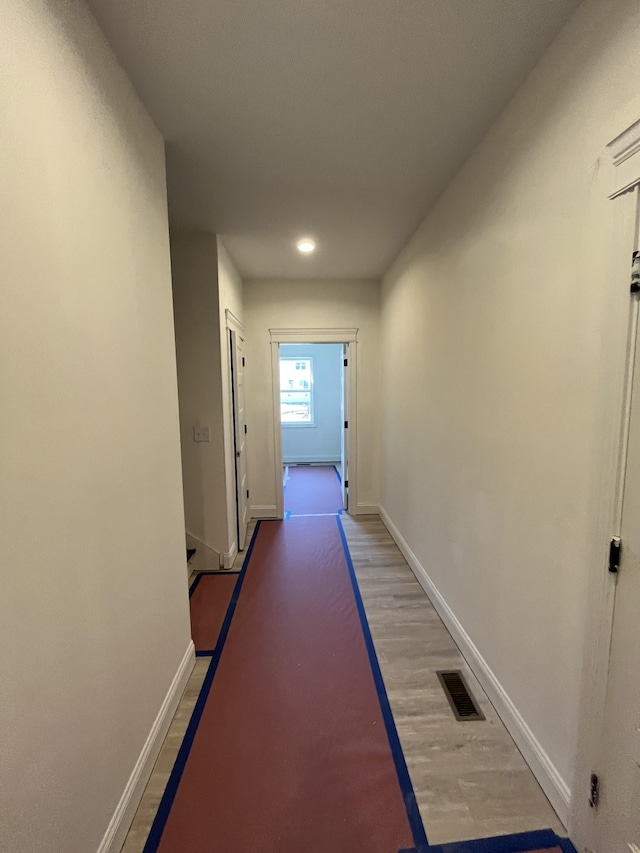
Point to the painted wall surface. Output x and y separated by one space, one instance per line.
230 296
320 442
93 612
495 322
205 284
194 261
310 304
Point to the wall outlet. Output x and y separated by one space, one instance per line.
202 433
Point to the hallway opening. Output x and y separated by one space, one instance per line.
315 407
313 414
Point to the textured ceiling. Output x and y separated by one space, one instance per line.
340 119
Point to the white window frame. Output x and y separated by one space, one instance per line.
302 424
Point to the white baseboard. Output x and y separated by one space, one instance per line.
205 557
121 821
265 511
229 557
318 459
367 509
552 783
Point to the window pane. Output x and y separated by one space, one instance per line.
295 407
295 374
296 390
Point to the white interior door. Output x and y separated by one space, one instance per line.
344 415
240 436
619 808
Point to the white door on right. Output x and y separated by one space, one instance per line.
619 806
240 436
344 414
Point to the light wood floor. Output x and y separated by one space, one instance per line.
469 778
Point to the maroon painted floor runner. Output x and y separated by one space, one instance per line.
313 489
291 754
208 605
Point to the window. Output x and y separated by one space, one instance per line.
296 391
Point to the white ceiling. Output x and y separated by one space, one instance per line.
340 119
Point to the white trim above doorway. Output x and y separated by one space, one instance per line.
622 150
313 336
232 322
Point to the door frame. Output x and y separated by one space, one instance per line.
620 175
315 336
232 324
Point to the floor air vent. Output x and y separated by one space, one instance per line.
462 702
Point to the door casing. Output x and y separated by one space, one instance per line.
315 336
345 465
239 436
618 816
620 173
233 327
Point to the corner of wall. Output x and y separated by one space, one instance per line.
264 511
367 509
205 557
199 346
229 557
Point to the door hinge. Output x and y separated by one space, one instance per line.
594 790
635 272
615 551
346 362
247 494
243 361
346 484
346 424
245 429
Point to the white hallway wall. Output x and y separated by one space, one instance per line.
205 285
320 442
94 619
494 329
310 304
194 262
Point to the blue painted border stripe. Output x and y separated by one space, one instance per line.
338 474
312 514
213 574
521 842
410 803
219 573
205 653
171 790
194 585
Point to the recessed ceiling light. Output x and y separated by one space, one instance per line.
306 246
